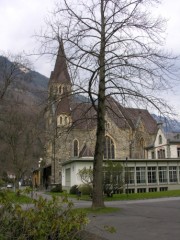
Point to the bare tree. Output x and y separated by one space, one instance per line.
20 139
113 47
86 175
12 69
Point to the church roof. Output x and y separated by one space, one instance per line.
60 73
86 152
82 112
84 116
135 114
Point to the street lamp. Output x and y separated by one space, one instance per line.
127 176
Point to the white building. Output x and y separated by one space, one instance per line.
159 172
143 175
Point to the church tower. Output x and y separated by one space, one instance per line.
59 83
58 114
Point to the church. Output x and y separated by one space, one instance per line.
71 134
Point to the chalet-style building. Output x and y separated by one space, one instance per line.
132 137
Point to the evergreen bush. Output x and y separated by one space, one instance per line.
85 189
74 189
46 220
57 188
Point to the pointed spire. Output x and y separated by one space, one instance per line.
60 73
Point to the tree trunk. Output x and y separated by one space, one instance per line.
97 198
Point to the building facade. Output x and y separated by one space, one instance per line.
71 134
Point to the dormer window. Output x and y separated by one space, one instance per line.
160 139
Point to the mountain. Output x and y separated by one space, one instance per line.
169 125
29 86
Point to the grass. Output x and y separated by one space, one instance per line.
13 197
141 196
97 211
134 196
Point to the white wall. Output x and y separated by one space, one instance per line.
74 169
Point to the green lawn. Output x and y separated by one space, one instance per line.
148 195
134 196
13 197
97 211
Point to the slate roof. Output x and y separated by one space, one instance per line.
134 115
86 152
173 137
83 115
60 73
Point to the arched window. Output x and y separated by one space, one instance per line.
76 148
109 151
107 125
60 89
141 148
160 139
60 120
161 154
65 120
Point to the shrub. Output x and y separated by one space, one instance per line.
74 189
85 189
52 219
57 188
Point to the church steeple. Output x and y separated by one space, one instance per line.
60 82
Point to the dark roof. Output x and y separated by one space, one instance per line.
86 152
115 113
173 137
60 73
84 116
130 117
135 115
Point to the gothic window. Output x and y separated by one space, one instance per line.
178 152
160 139
161 153
65 120
107 125
109 151
153 155
60 120
76 148
141 147
60 89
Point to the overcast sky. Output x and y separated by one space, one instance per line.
19 19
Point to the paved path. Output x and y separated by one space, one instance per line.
141 220
153 219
